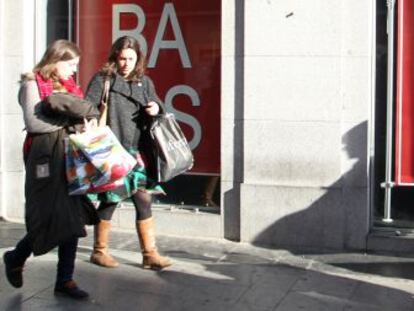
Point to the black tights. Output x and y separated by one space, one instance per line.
142 202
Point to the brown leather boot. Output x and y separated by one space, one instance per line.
100 255
151 259
210 188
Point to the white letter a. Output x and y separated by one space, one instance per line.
168 13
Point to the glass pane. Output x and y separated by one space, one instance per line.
192 190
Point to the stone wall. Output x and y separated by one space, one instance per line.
307 100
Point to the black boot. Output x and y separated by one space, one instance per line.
14 273
70 289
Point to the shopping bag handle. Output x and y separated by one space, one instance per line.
103 109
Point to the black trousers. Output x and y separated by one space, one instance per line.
66 257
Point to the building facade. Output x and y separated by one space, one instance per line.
301 129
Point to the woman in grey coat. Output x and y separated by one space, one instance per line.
132 103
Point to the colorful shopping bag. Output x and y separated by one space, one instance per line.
96 161
79 170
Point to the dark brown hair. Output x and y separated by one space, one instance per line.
126 42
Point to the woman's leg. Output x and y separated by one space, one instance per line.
14 261
100 255
21 252
106 210
66 262
65 268
142 202
146 232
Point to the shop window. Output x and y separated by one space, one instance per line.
59 20
182 41
402 196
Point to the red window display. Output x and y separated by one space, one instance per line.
182 41
404 138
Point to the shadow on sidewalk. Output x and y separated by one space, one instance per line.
402 270
206 278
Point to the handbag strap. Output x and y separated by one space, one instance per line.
104 102
105 91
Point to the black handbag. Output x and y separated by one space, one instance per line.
173 155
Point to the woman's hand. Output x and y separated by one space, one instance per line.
89 124
152 108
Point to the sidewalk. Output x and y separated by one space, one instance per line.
215 275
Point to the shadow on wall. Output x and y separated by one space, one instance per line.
338 219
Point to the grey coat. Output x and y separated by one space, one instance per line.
127 101
34 120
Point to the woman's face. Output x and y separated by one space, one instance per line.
126 61
66 68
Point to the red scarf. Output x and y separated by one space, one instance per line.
46 87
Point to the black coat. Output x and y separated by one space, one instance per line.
52 216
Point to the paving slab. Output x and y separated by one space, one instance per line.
212 274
